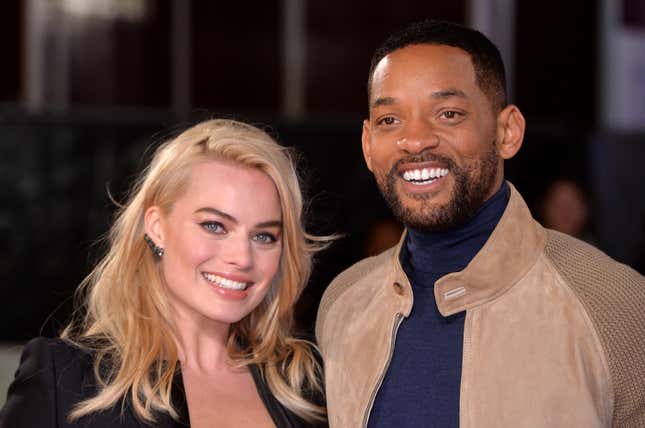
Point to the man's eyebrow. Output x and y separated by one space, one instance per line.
211 210
449 93
440 95
385 101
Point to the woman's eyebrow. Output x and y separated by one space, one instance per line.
211 210
269 223
215 211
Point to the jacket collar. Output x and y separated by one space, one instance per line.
509 253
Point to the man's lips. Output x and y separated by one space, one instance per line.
422 172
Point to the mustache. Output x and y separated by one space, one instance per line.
425 156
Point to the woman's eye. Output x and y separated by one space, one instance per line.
265 238
213 226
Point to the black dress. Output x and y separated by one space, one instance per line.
54 375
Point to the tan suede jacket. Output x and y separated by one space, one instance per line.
554 334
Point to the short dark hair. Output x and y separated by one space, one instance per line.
486 59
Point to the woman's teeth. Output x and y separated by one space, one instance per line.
224 282
424 175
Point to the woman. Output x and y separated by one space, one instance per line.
187 318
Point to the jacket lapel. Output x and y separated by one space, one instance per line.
178 399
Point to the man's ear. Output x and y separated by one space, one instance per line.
367 148
510 131
153 225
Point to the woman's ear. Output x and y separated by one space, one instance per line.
153 225
510 131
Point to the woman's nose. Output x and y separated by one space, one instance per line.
237 251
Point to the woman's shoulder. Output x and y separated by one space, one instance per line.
57 362
51 374
53 345
56 353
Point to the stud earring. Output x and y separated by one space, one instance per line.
400 141
156 250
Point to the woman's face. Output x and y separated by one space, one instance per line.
222 241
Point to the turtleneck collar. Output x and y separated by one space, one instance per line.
451 251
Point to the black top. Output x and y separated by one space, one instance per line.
54 375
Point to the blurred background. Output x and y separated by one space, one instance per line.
89 87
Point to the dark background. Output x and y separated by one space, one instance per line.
58 161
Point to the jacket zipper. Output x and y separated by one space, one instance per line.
395 329
465 372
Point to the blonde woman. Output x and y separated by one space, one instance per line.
187 319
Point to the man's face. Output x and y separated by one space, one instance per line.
430 139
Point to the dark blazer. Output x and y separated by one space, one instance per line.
54 375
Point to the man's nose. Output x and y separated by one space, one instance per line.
417 138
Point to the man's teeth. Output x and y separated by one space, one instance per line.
224 282
425 174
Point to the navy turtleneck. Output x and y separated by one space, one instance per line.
421 387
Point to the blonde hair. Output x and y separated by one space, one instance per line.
125 319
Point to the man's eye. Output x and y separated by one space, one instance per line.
213 226
388 120
265 238
451 114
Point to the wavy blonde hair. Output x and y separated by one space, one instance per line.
124 317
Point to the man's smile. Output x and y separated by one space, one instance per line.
422 176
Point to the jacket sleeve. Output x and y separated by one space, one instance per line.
31 398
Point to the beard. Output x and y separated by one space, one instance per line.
472 185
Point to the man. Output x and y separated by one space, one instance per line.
479 317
